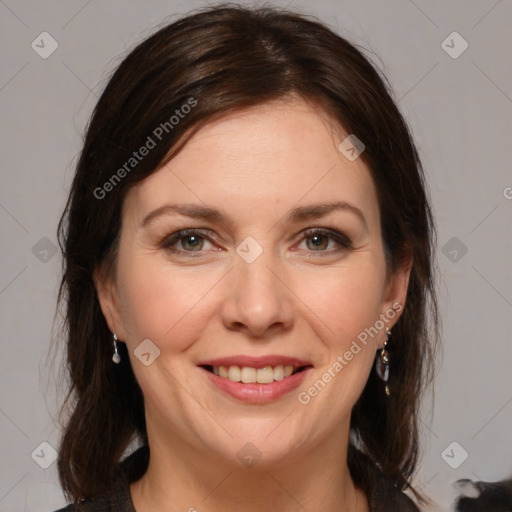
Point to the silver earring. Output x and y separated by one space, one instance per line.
116 357
382 363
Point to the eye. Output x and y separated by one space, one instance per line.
190 241
320 240
187 238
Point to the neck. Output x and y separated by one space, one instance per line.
181 477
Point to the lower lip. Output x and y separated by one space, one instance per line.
258 393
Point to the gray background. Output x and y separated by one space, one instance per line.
460 111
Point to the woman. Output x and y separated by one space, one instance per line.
248 251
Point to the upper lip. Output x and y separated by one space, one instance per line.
255 362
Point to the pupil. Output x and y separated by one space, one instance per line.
194 243
317 240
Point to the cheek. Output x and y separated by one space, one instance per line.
342 302
342 308
160 303
172 306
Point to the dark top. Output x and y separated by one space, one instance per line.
382 495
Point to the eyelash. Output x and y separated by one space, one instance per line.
340 239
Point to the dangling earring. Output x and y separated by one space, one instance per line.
116 357
382 363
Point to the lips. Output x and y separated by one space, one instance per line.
249 369
256 379
255 362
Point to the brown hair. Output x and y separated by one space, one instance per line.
227 58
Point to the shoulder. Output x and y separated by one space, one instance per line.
383 495
112 499
87 506
90 505
117 497
387 498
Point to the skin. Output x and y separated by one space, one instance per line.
255 165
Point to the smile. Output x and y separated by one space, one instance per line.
250 375
255 380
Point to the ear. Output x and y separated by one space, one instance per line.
108 297
395 292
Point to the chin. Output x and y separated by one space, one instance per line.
264 447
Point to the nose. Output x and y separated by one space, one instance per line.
259 302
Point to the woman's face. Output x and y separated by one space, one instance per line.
257 280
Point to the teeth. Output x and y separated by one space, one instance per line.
249 375
264 375
235 374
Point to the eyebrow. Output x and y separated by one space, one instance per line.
295 215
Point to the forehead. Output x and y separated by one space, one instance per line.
263 159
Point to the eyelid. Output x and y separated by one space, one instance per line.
175 236
334 234
344 242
